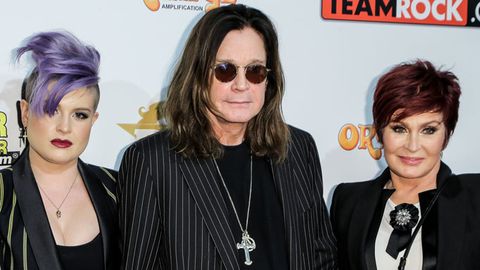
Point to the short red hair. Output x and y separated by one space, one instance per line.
415 88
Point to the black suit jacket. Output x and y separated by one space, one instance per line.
457 221
173 215
26 239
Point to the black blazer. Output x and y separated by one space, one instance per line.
26 239
457 221
173 215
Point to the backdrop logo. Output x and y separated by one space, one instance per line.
439 12
151 121
6 157
153 5
361 137
186 5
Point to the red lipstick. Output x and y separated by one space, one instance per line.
61 143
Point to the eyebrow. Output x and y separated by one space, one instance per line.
83 109
78 108
423 124
253 61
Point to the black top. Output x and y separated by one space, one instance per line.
266 225
87 256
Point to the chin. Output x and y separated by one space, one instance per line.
61 159
414 173
240 118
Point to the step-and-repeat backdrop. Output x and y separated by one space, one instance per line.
332 52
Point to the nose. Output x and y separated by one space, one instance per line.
413 142
241 83
64 123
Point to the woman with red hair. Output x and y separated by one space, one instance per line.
417 208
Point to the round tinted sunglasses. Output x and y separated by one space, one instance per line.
226 72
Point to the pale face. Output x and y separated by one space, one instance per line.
238 101
413 146
61 138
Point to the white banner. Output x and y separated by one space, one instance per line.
331 68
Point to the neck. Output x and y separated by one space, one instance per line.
44 170
230 139
407 190
228 133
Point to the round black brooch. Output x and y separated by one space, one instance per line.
404 217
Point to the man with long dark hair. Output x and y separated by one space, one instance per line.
229 185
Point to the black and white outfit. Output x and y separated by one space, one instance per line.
448 239
26 240
189 213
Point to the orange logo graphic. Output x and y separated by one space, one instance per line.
216 3
150 122
153 5
350 136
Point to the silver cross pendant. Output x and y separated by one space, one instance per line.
248 245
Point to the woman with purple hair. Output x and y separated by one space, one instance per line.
57 212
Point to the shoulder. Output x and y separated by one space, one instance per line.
147 156
298 135
352 190
152 144
107 177
6 173
301 142
105 174
155 140
469 182
470 178
6 187
348 195
6 179
360 189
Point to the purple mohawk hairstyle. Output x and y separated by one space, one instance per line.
60 58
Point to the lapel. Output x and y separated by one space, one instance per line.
202 178
101 203
283 179
34 217
361 242
451 220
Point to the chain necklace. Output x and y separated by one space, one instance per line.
59 213
247 243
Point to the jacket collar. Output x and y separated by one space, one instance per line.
450 208
34 215
35 218
202 178
363 234
452 216
284 183
106 215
